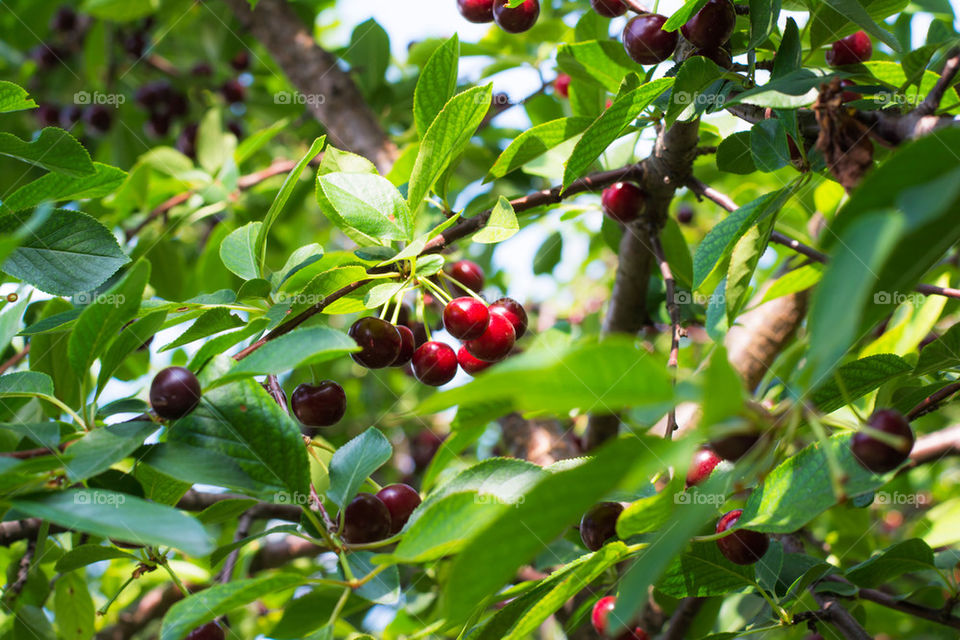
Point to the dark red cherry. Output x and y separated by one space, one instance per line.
435 363
401 500
209 631
466 318
187 140
853 49
609 8
379 341
685 213
233 91
201 70
478 11
623 201
320 405
735 446
174 392
518 19
704 461
496 342
879 456
562 85
98 118
512 311
467 273
720 56
423 447
71 115
712 26
645 40
47 56
600 615
468 363
366 519
849 96
407 346
64 20
135 44
599 524
48 115
742 546
241 61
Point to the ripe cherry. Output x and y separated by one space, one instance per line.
47 56
201 70
685 213
407 346
600 615
64 20
468 363
609 8
98 118
849 96
512 311
209 631
720 56
187 140
704 461
877 455
646 41
466 318
623 201
241 61
467 273
599 524
518 19
379 342
233 91
48 115
712 26
562 85
478 11
401 500
174 392
853 49
366 519
496 342
423 447
320 405
742 546
70 116
735 446
435 363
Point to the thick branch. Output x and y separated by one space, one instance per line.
840 618
683 618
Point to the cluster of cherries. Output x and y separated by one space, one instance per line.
515 20
369 517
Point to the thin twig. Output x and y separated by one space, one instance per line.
933 401
15 359
932 102
243 530
674 310
273 386
23 571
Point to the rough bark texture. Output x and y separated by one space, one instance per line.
332 95
760 335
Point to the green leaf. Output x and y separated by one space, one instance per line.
101 448
768 144
859 378
73 607
763 20
437 84
117 515
238 251
225 510
734 155
536 141
902 557
854 11
198 466
222 552
298 348
384 588
799 489
794 281
609 126
54 149
369 55
204 606
791 91
369 204
941 354
286 190
26 382
14 98
101 321
446 138
703 572
602 63
212 150
789 56
549 254
501 225
743 263
353 463
119 10
650 513
683 14
209 323
696 74
57 187
69 253
87 554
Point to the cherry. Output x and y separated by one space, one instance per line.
201 70
187 140
233 91
401 500
319 405
741 546
468 363
646 41
518 19
135 44
735 446
241 61
434 363
48 115
64 20
599 524
366 519
600 614
70 116
236 128
478 11
466 318
467 273
512 311
98 118
849 96
47 56
712 25
876 455
609 8
685 213
853 49
623 201
174 392
380 342
158 126
209 631
423 447
496 342
720 56
704 461
562 85
407 346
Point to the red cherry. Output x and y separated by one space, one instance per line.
319 405
478 11
366 519
401 500
379 341
233 91
435 364
512 311
609 8
853 49
712 26
424 446
466 318
623 201
518 19
599 524
496 342
468 363
720 56
742 546
562 85
600 614
646 41
849 96
209 631
877 455
467 273
704 461
174 392
407 346
735 446
685 213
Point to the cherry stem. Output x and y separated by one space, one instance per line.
441 294
448 277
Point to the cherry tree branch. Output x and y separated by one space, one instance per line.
676 329
683 617
15 359
932 102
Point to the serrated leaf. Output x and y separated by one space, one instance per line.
703 572
353 463
941 354
369 204
902 557
26 382
650 513
87 554
436 84
734 155
768 145
799 279
301 347
696 74
14 98
536 141
54 149
209 323
192 465
501 225
57 187
763 20
858 378
743 263
854 11
683 14
599 63
238 251
101 448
